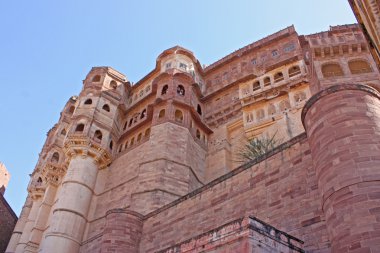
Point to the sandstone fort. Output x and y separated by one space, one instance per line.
152 166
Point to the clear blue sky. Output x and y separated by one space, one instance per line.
48 47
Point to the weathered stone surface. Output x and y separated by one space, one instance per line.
152 167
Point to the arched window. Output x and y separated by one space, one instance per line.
98 135
161 114
96 78
266 81
130 122
71 109
331 70
139 137
113 84
111 145
106 108
147 132
198 134
125 125
120 148
143 114
132 141
126 144
88 101
181 90
39 181
63 132
164 89
278 77
256 86
359 67
293 71
199 109
79 128
178 116
284 105
260 114
55 157
271 109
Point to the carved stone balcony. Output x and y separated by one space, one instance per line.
82 145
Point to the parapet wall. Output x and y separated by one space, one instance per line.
280 189
244 235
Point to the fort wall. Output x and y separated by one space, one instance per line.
153 165
280 190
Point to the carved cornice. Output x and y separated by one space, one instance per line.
53 173
36 188
36 192
80 145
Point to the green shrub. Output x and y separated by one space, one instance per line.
256 147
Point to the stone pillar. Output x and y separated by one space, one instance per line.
124 225
70 213
69 216
343 127
17 232
41 220
29 224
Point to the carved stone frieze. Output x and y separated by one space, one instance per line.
82 145
53 173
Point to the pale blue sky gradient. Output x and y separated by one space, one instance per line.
48 47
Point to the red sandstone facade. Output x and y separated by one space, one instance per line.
8 218
151 167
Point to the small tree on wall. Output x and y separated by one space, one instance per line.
256 147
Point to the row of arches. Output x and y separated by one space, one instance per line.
279 76
243 66
198 133
112 83
180 90
105 107
274 108
269 80
334 69
139 94
178 115
135 118
97 136
135 140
